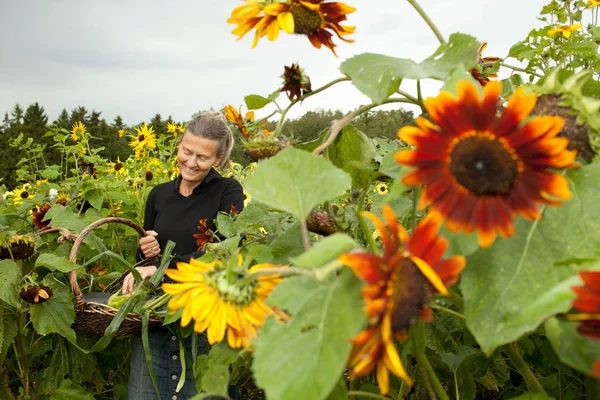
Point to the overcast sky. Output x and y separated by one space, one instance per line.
135 58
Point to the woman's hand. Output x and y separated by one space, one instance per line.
149 245
145 272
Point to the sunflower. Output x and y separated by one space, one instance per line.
78 131
219 306
22 193
382 188
312 18
564 30
180 128
480 169
399 284
593 3
247 198
482 73
145 139
172 128
295 82
121 132
204 236
39 215
116 168
242 123
588 303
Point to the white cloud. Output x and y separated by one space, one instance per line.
138 58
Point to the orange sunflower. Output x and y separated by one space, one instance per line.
482 73
399 285
312 18
480 169
242 123
204 235
588 303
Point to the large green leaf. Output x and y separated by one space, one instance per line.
296 181
326 250
573 349
55 263
313 346
9 282
352 151
68 391
95 197
379 76
8 332
65 360
54 316
511 288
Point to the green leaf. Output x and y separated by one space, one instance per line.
68 391
55 263
340 391
215 379
460 243
296 181
9 282
287 245
256 102
225 225
533 396
455 360
379 76
51 173
8 332
580 47
326 250
312 347
388 165
352 151
261 253
65 360
54 316
95 197
573 349
506 287
457 75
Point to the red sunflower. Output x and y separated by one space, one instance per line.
588 303
399 284
205 235
39 215
480 169
482 72
316 19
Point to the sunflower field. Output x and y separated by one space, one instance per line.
459 261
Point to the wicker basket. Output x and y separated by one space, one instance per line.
93 315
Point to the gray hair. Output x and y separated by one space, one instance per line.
212 125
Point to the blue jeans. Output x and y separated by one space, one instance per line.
167 367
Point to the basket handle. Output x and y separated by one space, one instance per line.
79 299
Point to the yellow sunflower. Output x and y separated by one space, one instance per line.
144 140
564 30
22 193
180 128
218 306
117 168
172 128
121 132
247 198
593 3
78 131
382 188
314 19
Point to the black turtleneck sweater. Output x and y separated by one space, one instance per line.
176 217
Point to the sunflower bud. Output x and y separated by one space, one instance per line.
322 223
295 82
36 294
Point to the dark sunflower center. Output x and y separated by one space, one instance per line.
410 292
24 195
306 21
118 166
141 138
149 175
483 165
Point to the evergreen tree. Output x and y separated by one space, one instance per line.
63 120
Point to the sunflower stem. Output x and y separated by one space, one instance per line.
368 395
413 219
447 310
520 69
420 98
363 223
305 238
517 360
428 21
418 338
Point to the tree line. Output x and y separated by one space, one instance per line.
33 123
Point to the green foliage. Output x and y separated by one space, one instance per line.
502 284
54 316
277 183
573 349
315 339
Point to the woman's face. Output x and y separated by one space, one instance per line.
195 157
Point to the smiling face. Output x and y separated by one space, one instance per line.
195 157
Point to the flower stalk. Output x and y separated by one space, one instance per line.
418 340
428 21
519 363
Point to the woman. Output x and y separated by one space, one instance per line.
173 210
